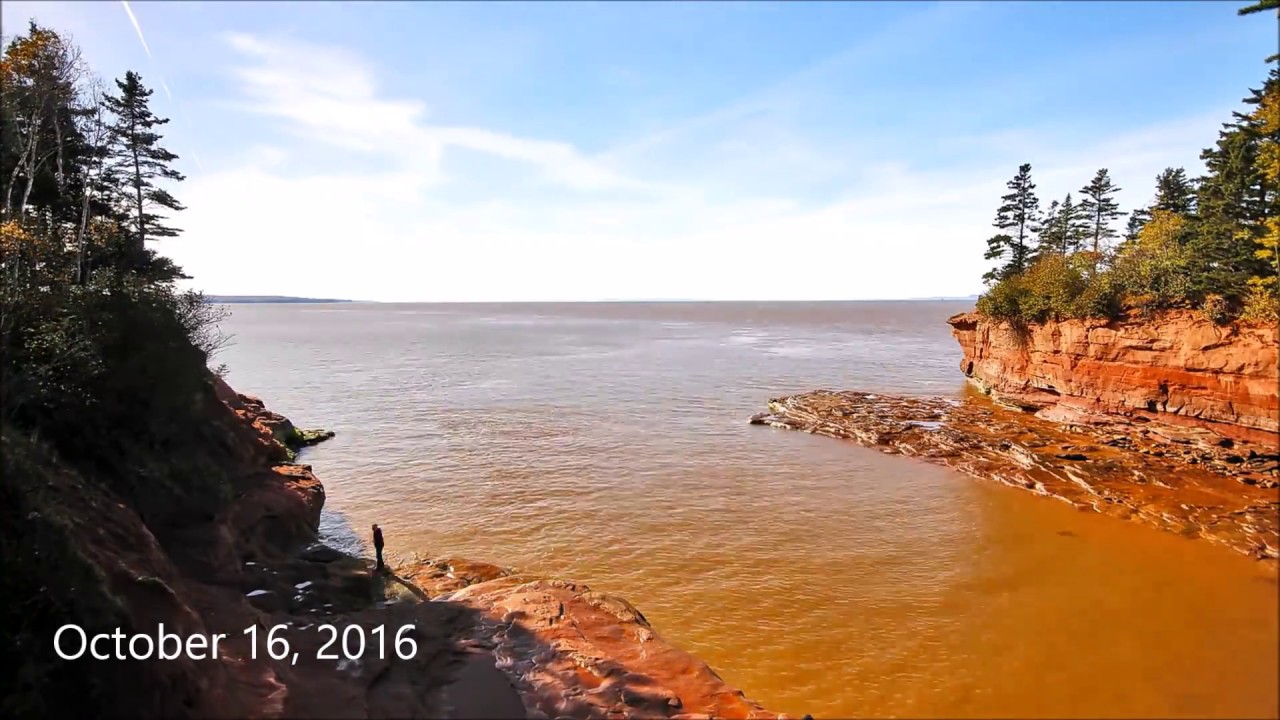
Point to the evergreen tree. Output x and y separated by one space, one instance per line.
1137 220
1075 226
1100 209
1052 238
1234 202
997 247
1174 192
1019 216
137 158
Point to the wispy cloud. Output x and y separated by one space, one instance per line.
330 95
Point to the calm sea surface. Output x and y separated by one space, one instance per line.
608 443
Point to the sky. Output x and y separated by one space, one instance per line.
420 152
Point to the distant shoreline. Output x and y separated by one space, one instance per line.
261 299
266 299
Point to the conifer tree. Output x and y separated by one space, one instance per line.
1174 192
1018 216
1052 238
1100 209
138 159
1075 225
1137 220
1234 201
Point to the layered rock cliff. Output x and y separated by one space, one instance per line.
1177 368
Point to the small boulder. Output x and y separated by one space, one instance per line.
321 554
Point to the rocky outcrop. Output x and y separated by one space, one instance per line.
487 641
270 424
1189 481
1177 368
573 652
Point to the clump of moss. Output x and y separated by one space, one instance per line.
296 439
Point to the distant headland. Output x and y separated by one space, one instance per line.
245 299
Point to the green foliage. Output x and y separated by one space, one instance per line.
1174 192
1153 272
997 247
1004 300
1050 289
1102 297
1212 243
1064 228
1134 224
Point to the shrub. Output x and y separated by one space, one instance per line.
112 372
1004 300
1154 272
1262 303
1047 290
1100 298
1217 309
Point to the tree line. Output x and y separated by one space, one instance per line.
82 163
1209 242
99 347
104 379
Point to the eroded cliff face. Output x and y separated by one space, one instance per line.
1178 368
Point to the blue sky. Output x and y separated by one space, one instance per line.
585 151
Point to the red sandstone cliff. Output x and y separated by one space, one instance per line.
1177 368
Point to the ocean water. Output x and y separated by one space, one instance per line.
608 443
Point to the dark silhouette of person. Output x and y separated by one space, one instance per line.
377 545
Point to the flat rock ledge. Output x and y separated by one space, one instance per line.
1189 481
569 651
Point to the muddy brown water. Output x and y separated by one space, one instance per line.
609 444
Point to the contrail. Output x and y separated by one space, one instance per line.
169 94
133 19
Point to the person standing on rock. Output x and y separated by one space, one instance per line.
377 545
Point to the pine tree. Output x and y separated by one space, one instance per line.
1052 238
1100 209
1075 226
1137 220
1174 192
137 158
1019 216
997 247
1265 285
1234 201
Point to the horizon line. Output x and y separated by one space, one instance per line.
302 300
